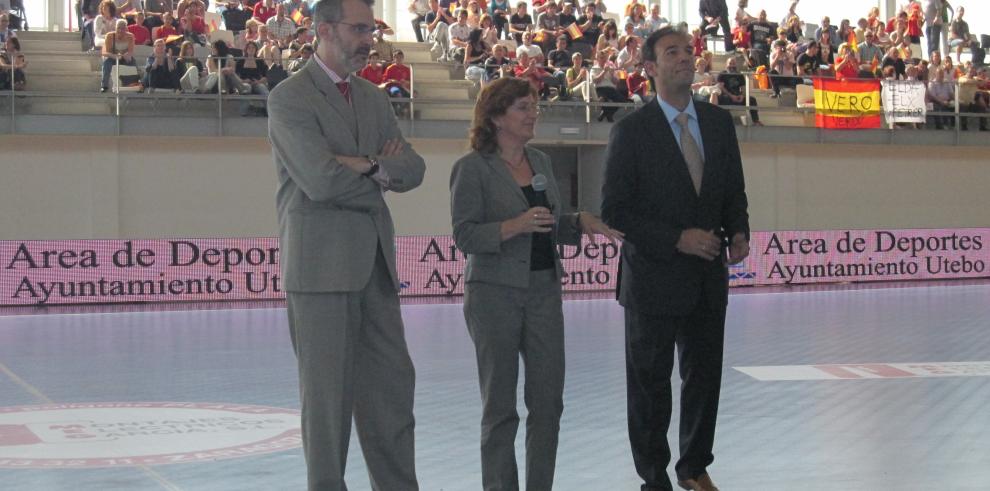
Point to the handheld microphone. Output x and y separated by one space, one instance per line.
539 184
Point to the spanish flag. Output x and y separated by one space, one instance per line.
874 65
539 37
213 25
298 17
847 104
853 45
574 31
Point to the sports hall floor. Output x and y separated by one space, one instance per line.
882 387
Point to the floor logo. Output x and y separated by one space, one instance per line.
109 434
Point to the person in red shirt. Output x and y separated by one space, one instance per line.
846 64
141 34
373 71
397 76
264 11
637 84
527 68
915 22
167 28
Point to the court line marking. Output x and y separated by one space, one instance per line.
861 371
20 382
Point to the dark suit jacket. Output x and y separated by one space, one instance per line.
648 195
713 8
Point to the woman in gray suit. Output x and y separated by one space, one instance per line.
506 216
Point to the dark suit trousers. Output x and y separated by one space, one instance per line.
353 362
650 343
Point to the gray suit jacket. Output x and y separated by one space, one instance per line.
483 194
330 217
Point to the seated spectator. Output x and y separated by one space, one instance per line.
302 6
635 22
382 46
500 11
941 94
808 63
438 21
605 80
235 17
474 14
654 22
141 34
489 34
475 54
566 16
498 65
397 76
418 9
125 6
302 38
827 29
557 63
549 27
161 71
118 48
793 28
630 57
893 59
527 68
846 64
270 52
253 73
373 71
191 73
973 97
637 84
193 25
104 23
608 41
520 22
12 60
168 28
732 85
264 11
281 27
301 57
459 35
221 70
577 78
704 86
782 63
248 34
960 37
869 50
527 46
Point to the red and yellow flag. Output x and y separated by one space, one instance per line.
851 39
574 31
847 104
214 25
297 17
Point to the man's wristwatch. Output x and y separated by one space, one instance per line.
374 166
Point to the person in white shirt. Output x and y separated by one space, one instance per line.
653 22
418 9
531 50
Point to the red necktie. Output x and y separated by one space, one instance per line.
345 90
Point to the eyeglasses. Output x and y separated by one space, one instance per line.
359 29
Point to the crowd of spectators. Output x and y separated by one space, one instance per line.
540 41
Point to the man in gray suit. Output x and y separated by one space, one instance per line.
337 147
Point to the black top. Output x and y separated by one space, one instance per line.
734 83
560 58
257 73
542 255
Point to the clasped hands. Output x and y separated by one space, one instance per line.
707 245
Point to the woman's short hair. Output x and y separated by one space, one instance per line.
493 101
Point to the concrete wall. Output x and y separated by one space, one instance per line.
105 187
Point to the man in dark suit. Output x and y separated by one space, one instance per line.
674 186
337 148
715 13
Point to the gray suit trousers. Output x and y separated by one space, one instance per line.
353 361
504 323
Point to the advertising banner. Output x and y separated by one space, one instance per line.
52 272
